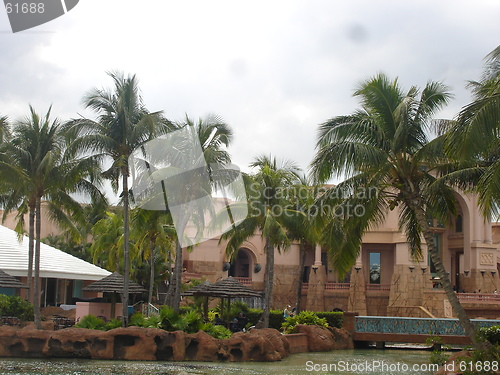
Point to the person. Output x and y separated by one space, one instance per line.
218 321
286 312
242 321
293 311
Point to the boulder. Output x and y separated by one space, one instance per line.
264 345
321 339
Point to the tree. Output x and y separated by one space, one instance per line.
214 136
303 224
4 128
473 138
385 146
42 167
267 210
154 238
122 126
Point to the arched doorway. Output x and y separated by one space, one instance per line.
241 265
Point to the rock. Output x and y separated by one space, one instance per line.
321 339
452 365
202 347
257 345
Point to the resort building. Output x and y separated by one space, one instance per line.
62 275
384 281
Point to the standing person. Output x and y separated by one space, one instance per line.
286 312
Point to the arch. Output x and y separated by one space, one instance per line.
242 264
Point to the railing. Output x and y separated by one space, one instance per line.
149 309
337 286
384 287
415 326
305 286
478 297
244 280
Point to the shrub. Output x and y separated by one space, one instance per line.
305 317
492 334
334 318
112 324
276 319
216 331
15 306
137 320
91 322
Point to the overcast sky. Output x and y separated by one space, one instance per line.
273 70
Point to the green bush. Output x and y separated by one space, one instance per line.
305 317
137 320
112 324
253 316
216 331
91 322
334 318
276 319
15 306
492 334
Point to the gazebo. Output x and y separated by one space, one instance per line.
225 288
113 284
8 281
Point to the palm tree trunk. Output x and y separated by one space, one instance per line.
126 255
269 282
31 247
444 277
36 291
303 247
177 277
151 274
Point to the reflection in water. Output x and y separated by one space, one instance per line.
399 362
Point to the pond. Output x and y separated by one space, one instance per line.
359 361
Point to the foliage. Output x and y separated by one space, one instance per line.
492 334
137 320
304 317
275 319
15 306
91 322
112 324
216 331
438 355
333 318
481 361
235 308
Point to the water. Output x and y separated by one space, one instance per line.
369 361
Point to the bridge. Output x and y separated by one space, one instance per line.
381 329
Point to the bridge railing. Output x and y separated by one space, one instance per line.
416 326
478 297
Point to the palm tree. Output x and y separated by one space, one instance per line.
214 136
266 214
123 125
42 167
4 128
304 225
154 238
385 146
473 138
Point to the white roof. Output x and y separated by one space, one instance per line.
54 263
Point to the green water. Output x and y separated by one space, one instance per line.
357 361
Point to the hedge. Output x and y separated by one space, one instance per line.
334 319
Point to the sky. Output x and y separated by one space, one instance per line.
273 70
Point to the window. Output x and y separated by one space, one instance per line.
459 224
374 268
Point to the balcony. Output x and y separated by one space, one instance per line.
247 281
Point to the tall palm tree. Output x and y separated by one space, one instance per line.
267 210
4 128
304 225
42 167
214 136
123 125
473 137
154 238
385 145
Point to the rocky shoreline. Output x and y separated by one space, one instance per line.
150 344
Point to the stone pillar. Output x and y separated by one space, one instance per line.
316 289
407 287
357 291
317 256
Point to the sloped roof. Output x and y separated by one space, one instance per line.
225 288
54 263
8 281
113 283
